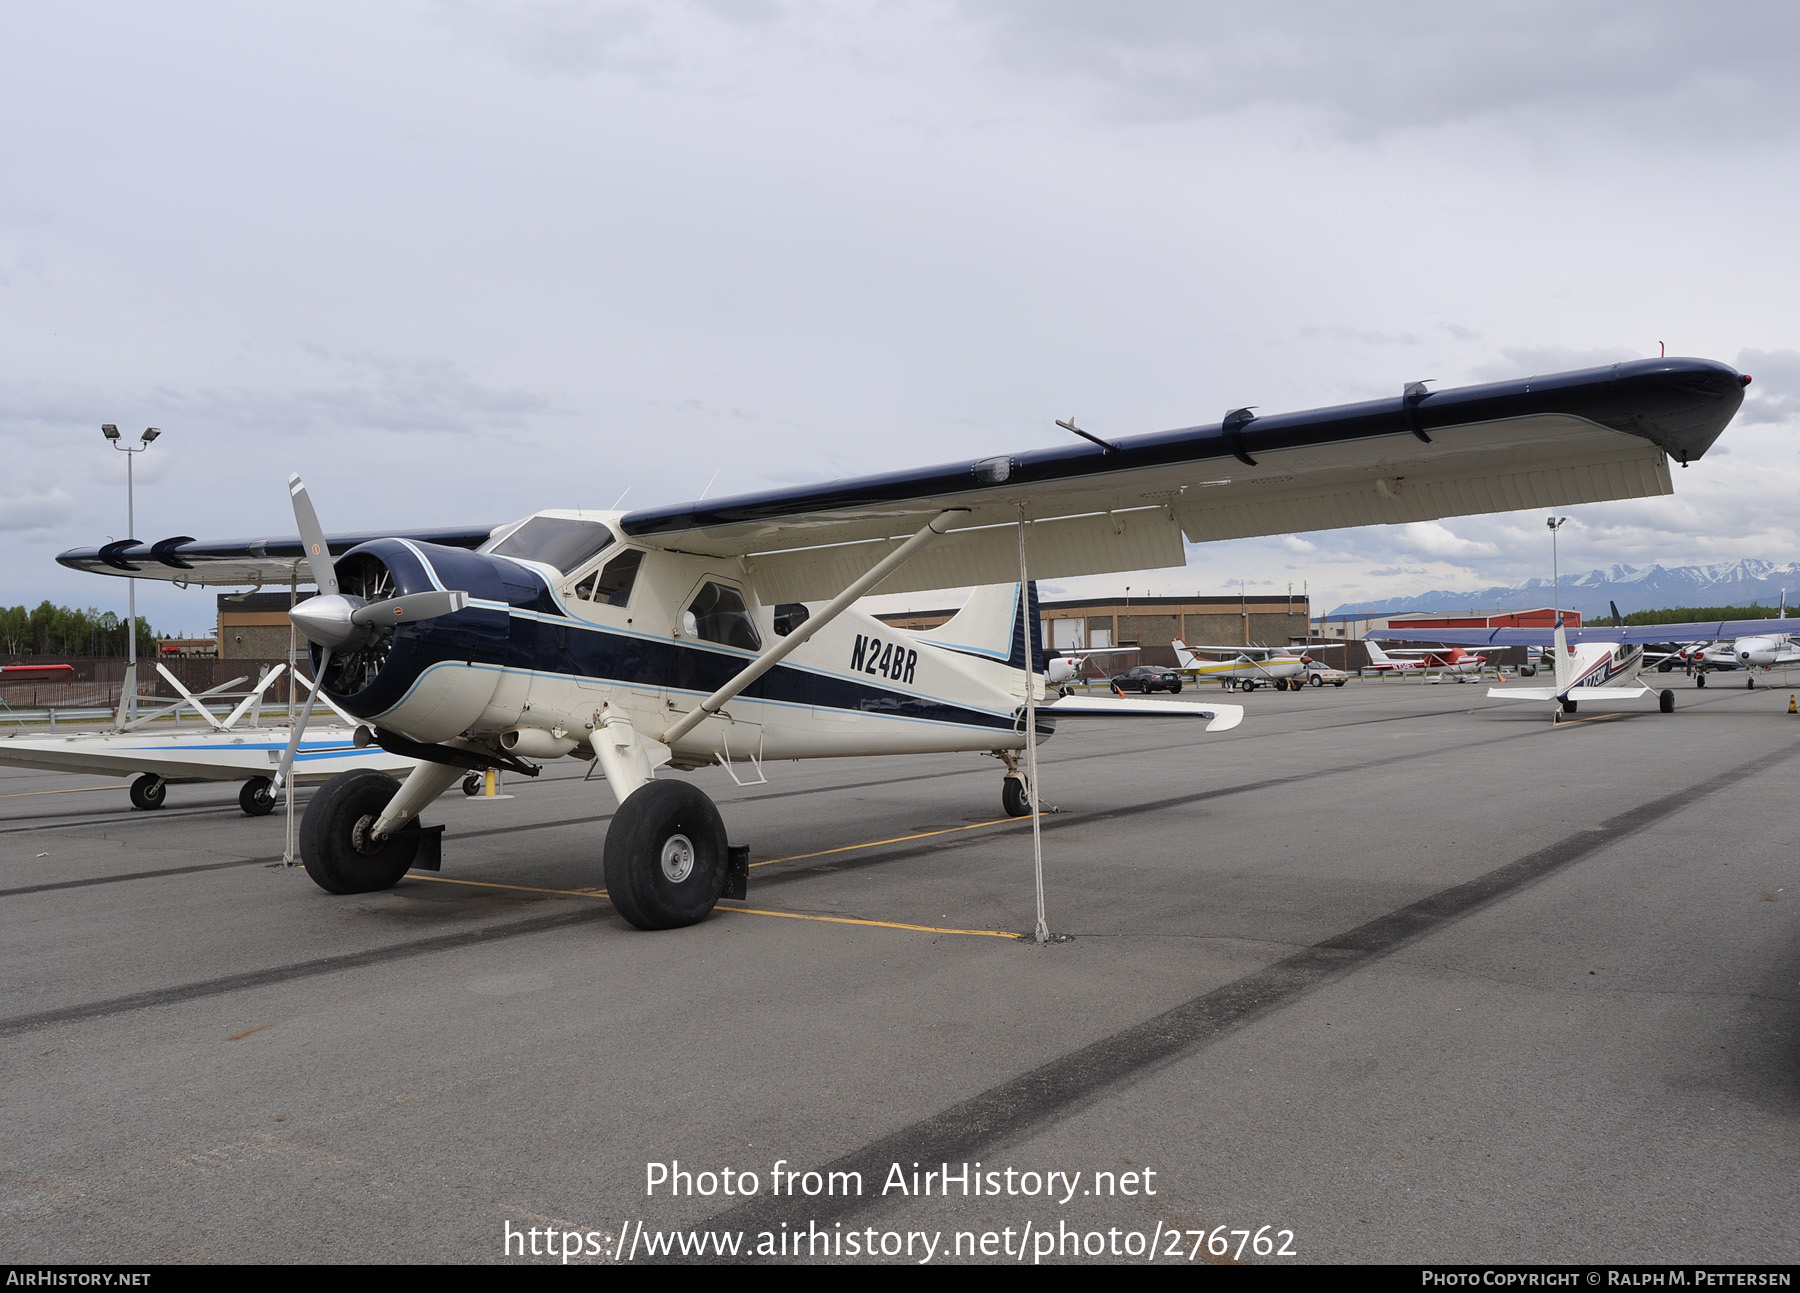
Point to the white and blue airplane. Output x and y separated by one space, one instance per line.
225 748
724 631
1599 666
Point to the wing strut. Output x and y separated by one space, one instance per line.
1033 797
836 607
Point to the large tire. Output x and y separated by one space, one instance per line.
1175 690
1700 680
334 841
1014 798
149 791
256 797
1750 682
1315 680
665 856
1666 701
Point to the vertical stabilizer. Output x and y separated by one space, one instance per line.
1376 654
989 625
1565 667
1184 656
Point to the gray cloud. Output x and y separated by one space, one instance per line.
1368 70
1774 391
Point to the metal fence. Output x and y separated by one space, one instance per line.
97 681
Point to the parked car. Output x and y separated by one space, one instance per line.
1147 678
1317 675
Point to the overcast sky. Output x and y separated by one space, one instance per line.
458 261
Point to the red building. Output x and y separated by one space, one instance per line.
1540 618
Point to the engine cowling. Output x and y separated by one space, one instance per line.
432 679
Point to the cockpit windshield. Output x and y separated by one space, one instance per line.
555 541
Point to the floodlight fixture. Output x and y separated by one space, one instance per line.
110 431
150 433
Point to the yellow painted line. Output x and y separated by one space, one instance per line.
898 839
522 888
748 911
1592 718
78 790
884 924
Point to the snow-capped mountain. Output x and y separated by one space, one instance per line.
1635 588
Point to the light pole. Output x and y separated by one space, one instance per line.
128 701
1555 523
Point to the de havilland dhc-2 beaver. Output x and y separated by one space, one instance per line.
723 631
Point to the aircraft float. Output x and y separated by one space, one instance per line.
724 631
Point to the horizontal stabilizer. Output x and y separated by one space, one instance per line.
1598 697
1523 693
1224 717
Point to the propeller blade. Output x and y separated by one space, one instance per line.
408 610
293 745
312 538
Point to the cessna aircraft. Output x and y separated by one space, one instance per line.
1455 661
722 631
1243 667
1597 666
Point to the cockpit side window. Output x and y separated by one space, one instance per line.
556 541
718 614
611 584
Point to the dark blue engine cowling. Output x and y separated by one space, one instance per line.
373 679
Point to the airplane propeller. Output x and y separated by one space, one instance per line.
339 623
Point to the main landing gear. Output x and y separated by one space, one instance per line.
336 844
149 791
666 856
1665 701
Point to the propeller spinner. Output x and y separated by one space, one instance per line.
340 623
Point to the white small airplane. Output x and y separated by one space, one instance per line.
1245 668
1599 666
221 749
1757 650
724 630
1455 662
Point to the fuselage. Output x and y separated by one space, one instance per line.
561 627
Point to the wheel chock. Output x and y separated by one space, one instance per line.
737 872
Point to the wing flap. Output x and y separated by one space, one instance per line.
1145 539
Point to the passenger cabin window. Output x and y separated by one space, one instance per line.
556 541
611 584
790 616
717 614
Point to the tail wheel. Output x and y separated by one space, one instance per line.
149 791
1568 707
340 854
1699 680
665 856
471 784
1015 798
257 797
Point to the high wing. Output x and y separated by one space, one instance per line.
1253 652
1556 441
1706 631
235 562
1601 433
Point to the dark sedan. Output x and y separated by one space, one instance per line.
1147 678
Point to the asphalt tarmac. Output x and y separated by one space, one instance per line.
1389 973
